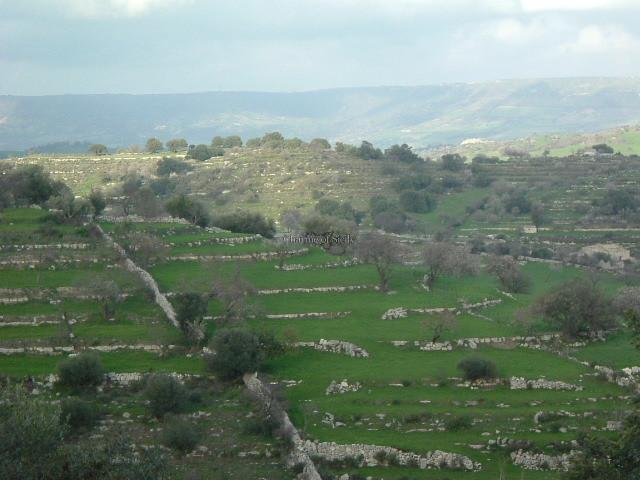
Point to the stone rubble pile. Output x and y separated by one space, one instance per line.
520 383
437 459
336 346
342 387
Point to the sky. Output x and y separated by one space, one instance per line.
176 46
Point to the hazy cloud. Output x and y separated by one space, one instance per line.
83 46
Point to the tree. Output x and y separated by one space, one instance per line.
98 149
236 352
83 371
190 311
437 325
182 206
177 144
441 258
200 152
168 165
319 144
272 140
367 151
417 202
234 294
453 162
153 145
382 252
509 274
478 368
165 395
68 208
603 148
144 248
627 299
97 201
246 222
608 458
105 290
291 220
31 185
402 153
576 307
232 141
537 215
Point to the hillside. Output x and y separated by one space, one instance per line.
422 116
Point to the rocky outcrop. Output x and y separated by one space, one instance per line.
336 346
372 454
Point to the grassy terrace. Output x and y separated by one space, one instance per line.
407 395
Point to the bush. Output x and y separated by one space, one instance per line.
180 435
78 414
165 395
476 368
246 222
458 422
416 202
237 352
83 371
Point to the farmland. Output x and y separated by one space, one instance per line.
407 397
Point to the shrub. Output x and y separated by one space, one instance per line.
165 395
78 414
416 202
237 352
85 370
476 368
458 422
246 222
180 435
577 307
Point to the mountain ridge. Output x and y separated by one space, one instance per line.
423 116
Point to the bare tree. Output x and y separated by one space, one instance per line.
382 252
441 258
234 294
144 248
437 325
105 290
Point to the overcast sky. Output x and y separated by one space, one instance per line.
161 46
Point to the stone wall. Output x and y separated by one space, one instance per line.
261 256
520 383
370 453
541 461
308 266
297 455
402 312
146 278
348 288
336 346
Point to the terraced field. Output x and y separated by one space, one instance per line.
402 394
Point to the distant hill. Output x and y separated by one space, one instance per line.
425 116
